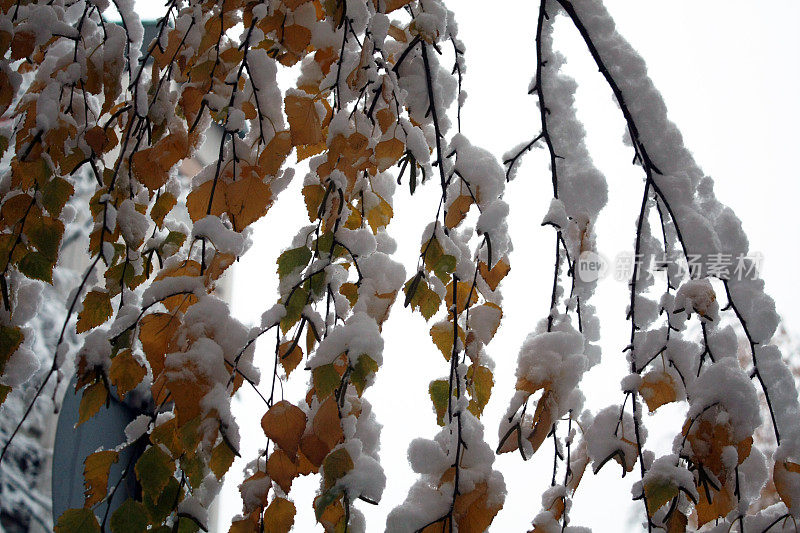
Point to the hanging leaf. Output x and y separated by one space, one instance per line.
281 469
130 517
95 474
96 310
304 122
279 516
94 397
439 390
284 423
125 373
77 521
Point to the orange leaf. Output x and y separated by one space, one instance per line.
496 274
457 210
281 469
657 389
156 333
326 432
290 361
284 423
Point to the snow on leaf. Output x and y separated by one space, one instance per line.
284 423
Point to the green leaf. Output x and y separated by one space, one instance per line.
365 367
10 339
294 308
36 265
55 195
439 389
172 243
292 259
335 466
96 310
324 500
130 517
45 233
326 379
480 388
424 299
194 468
160 504
154 469
77 521
188 524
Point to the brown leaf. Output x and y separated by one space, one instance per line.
388 152
125 373
290 361
275 153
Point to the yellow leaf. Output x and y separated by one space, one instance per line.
380 215
388 152
125 373
96 310
304 122
94 397
720 505
457 210
95 475
786 476
658 492
284 423
313 195
279 516
466 296
275 153
442 335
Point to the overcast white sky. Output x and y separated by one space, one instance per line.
730 75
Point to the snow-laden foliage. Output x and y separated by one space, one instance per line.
371 105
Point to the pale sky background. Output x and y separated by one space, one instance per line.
730 76
729 73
